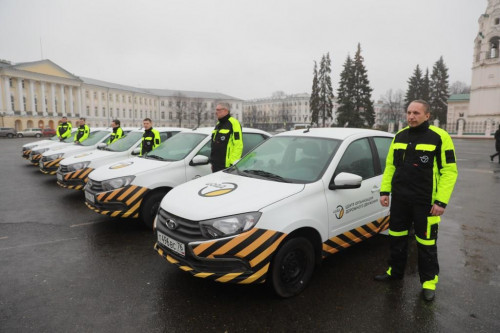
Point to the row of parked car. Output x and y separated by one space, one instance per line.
10 132
291 200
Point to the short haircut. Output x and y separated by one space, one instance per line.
116 121
64 117
424 103
225 105
82 119
148 119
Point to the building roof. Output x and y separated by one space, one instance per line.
459 98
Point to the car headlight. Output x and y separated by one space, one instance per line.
229 225
113 184
78 166
54 157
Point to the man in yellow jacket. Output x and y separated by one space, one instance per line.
420 172
82 132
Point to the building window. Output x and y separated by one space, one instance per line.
103 111
86 93
10 83
163 115
497 21
95 94
103 96
22 83
55 105
96 111
12 102
88 110
460 114
36 104
170 115
162 103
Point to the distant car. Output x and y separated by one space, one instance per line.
8 132
48 132
36 132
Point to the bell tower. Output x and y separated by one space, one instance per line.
485 85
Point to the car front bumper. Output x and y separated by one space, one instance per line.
122 202
75 180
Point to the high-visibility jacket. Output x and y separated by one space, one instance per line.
150 140
82 133
227 142
115 135
63 130
421 166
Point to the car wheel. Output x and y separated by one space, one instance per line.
149 208
19 135
292 267
38 135
10 135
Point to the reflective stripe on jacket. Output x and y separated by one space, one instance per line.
150 140
82 133
64 130
227 142
115 135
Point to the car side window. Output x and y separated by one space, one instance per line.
382 144
250 140
206 149
357 159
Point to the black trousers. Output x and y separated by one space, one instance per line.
403 216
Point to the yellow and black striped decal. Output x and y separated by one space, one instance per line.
48 172
35 159
256 246
131 196
26 153
81 174
342 241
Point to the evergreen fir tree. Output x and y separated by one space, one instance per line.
363 93
346 115
325 89
439 91
415 85
314 100
426 87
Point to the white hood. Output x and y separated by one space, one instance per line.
89 156
131 166
68 150
223 194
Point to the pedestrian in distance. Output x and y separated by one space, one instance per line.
151 137
63 129
420 173
82 132
117 131
227 139
497 145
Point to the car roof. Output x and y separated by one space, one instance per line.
160 129
339 133
208 130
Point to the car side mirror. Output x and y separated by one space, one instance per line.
136 151
199 160
101 145
345 180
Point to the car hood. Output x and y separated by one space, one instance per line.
223 194
89 156
38 143
131 166
68 150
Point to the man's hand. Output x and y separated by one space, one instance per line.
384 200
437 210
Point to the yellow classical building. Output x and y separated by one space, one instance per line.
38 94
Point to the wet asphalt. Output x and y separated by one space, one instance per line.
64 268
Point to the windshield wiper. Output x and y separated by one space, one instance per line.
266 174
155 157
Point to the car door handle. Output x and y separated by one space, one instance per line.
375 189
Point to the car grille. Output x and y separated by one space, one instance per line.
186 228
63 168
95 185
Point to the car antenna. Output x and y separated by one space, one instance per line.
195 128
307 129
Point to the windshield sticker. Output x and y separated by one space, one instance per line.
217 189
121 165
353 206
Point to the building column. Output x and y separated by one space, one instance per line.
8 104
20 96
43 104
32 98
63 108
71 109
79 102
53 98
99 103
92 106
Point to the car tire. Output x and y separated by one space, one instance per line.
292 267
149 208
10 135
19 135
38 135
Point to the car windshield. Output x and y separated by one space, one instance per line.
126 142
54 138
177 147
95 137
288 159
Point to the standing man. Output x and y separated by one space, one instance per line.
420 172
497 145
151 137
117 131
227 139
63 129
83 131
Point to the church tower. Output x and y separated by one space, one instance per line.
485 86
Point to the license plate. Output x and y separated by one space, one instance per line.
59 177
89 197
172 244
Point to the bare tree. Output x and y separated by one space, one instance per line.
180 106
393 108
459 87
199 108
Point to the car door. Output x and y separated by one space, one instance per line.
352 208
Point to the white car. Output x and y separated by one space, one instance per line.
49 162
34 152
73 171
134 187
296 198
28 147
36 132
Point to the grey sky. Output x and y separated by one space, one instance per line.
246 49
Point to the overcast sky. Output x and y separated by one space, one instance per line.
246 49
